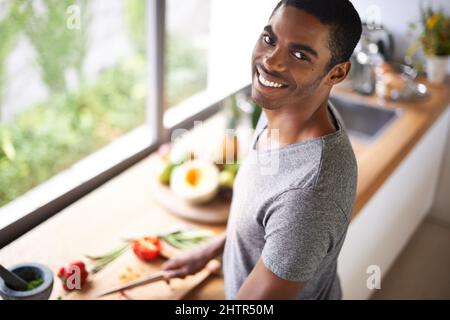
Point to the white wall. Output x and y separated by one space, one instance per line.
235 27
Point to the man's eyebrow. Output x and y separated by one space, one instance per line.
269 30
304 47
294 46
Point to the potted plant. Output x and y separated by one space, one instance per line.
434 39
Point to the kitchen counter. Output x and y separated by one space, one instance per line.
376 161
123 207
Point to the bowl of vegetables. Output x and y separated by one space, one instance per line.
39 283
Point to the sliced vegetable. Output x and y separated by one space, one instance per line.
146 248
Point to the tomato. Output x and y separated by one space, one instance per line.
147 248
68 275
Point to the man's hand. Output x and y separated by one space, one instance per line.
186 264
194 260
263 284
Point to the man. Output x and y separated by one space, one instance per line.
287 226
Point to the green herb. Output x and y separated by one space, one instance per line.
33 284
186 239
103 260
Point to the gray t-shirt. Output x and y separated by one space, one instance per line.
292 206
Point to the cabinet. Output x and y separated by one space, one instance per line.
441 208
379 232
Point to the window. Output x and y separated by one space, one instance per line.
186 55
82 95
208 51
72 80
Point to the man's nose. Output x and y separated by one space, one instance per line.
274 61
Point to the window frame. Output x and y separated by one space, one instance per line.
18 216
159 126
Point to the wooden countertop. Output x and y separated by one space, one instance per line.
124 206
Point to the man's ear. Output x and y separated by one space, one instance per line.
338 73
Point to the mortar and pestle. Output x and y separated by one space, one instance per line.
26 281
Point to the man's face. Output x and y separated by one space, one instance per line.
290 60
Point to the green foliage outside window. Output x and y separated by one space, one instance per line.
52 135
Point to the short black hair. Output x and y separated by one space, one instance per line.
343 20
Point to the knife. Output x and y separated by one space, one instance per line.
213 266
158 276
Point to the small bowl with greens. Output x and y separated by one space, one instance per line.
39 280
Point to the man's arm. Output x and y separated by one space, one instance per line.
263 284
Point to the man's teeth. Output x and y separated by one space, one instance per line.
268 83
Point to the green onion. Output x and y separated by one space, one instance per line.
103 260
186 239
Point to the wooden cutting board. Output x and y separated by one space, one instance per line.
128 264
214 212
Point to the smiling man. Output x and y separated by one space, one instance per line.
287 225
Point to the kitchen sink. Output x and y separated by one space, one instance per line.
364 122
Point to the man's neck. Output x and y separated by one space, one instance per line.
295 126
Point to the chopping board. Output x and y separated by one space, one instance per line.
214 212
133 268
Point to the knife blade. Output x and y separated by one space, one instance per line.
158 276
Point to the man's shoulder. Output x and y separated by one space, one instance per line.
333 178
337 155
337 175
